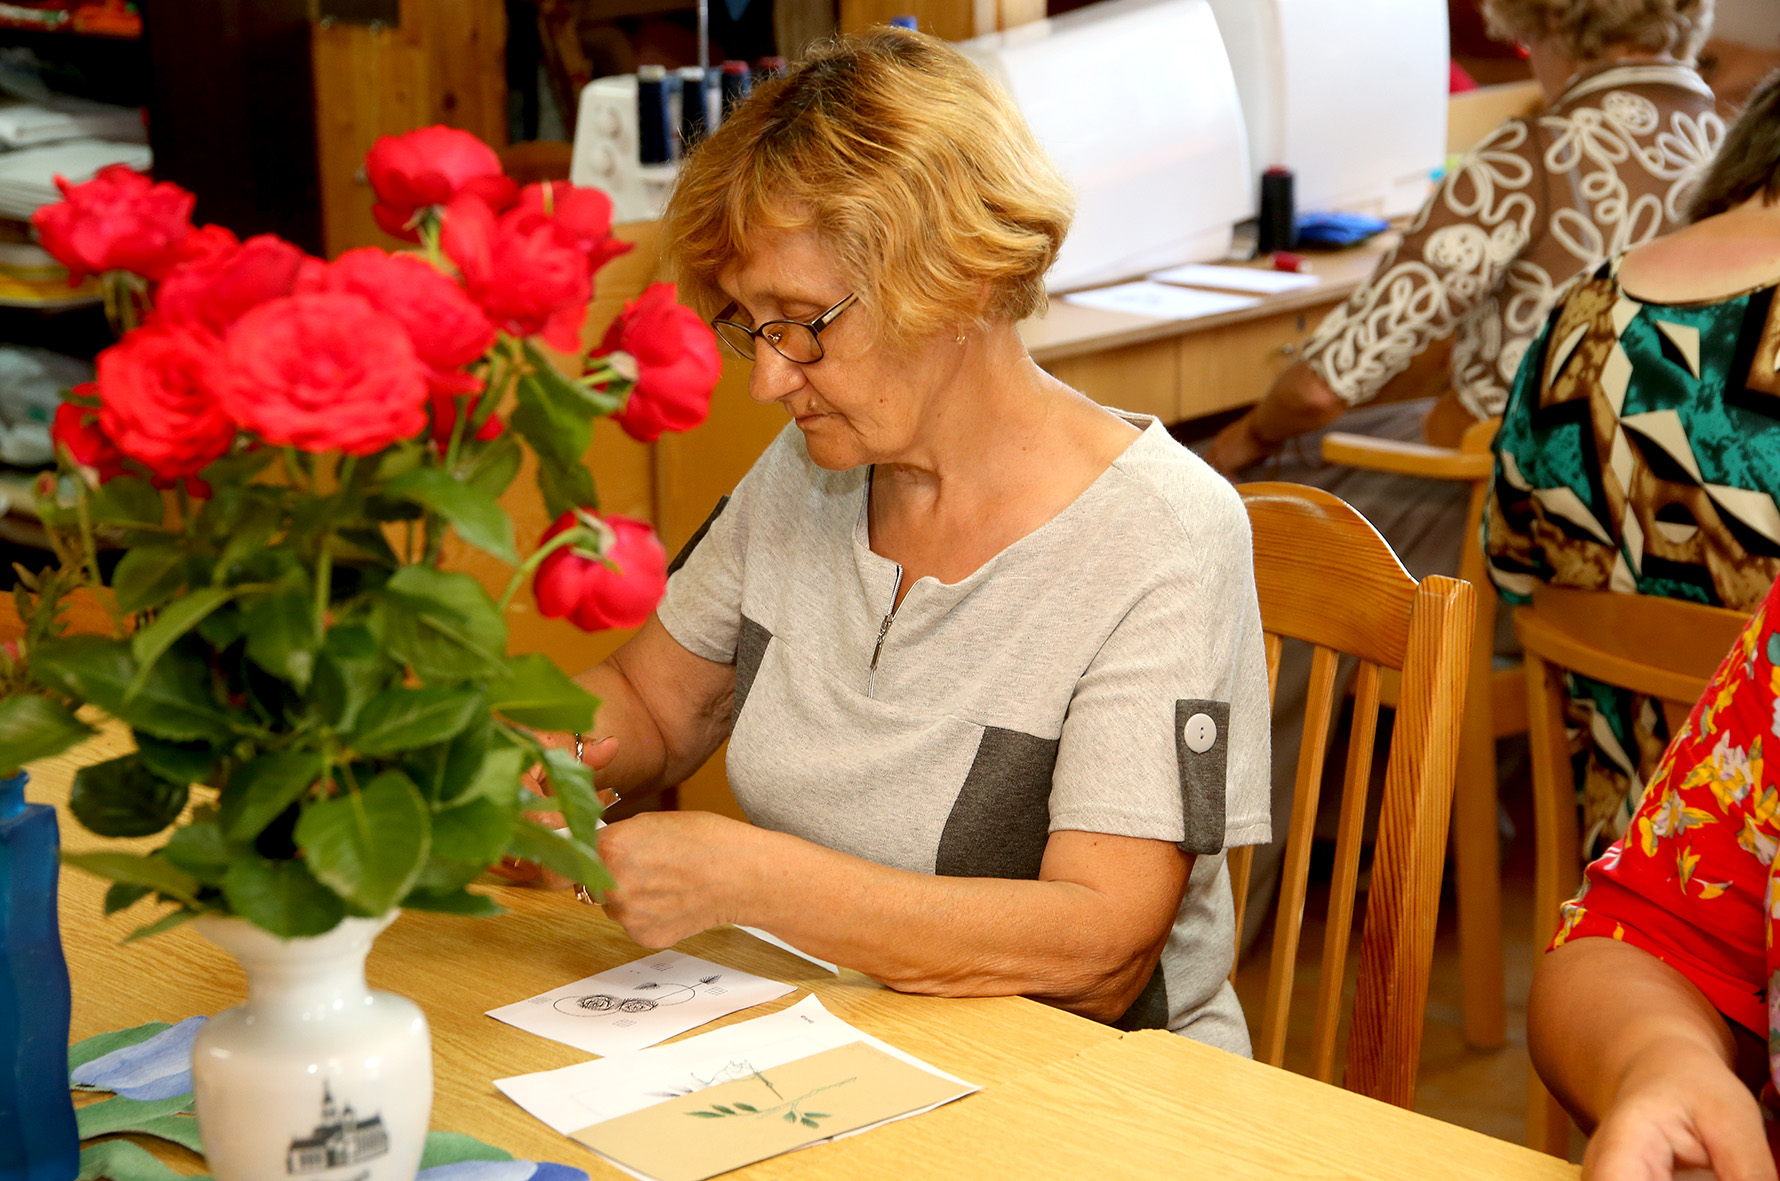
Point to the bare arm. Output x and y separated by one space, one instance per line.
1635 1052
1298 402
1085 936
668 709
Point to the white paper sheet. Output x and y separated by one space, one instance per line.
639 1003
577 1097
769 937
1249 279
1144 298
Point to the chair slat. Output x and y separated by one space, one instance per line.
1345 883
1273 645
1295 873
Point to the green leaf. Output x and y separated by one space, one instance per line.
282 897
236 469
261 790
443 624
402 719
495 466
559 851
200 849
536 693
173 702
33 727
571 781
723 1109
597 401
148 575
566 488
123 895
458 902
281 636
559 427
182 762
368 846
127 501
790 1117
135 869
473 833
367 544
175 620
161 925
747 1107
349 670
474 514
123 798
497 778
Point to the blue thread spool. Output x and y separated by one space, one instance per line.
695 107
738 83
655 124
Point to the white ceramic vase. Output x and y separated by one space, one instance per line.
315 1076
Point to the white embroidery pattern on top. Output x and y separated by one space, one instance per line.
1487 256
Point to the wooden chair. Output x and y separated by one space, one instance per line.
1309 544
1495 706
1663 648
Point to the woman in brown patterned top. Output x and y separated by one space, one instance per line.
1541 200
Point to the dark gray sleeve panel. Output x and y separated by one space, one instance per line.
1204 779
692 542
1001 819
1150 1009
750 649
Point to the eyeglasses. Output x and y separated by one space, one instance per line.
798 341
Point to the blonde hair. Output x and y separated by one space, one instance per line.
911 167
1587 29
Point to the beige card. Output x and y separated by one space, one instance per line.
786 1107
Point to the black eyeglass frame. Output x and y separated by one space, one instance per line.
814 327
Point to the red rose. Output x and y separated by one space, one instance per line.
516 269
216 288
447 328
323 371
118 221
676 360
620 589
427 167
581 218
156 401
76 431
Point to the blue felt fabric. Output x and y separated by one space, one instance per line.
158 1068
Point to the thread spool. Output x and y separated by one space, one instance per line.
1275 230
655 120
695 107
738 83
768 68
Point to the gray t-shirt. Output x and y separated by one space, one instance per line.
1105 673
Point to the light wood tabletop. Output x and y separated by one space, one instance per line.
1062 1096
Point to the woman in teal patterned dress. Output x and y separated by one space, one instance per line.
1640 448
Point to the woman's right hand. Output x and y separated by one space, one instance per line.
1680 1113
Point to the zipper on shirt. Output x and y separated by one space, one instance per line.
883 630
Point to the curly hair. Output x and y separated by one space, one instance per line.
912 168
1589 28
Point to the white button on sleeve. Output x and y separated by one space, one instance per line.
1200 733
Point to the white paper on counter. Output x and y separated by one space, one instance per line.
576 1097
769 937
1250 279
1144 298
640 1003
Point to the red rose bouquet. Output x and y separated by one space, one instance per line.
281 445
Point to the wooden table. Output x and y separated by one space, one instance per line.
1062 1096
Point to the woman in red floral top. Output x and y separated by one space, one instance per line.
1661 1029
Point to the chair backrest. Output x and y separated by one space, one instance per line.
1326 577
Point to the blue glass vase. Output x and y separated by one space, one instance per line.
38 1138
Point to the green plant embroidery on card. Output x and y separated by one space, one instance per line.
790 1111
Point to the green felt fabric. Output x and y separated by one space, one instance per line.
120 1160
448 1148
118 1114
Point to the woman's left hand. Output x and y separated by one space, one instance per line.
1236 447
675 873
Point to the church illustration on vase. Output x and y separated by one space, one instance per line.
341 1138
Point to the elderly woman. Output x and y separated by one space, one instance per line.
1607 165
988 655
